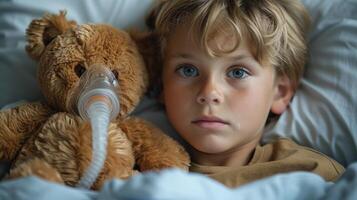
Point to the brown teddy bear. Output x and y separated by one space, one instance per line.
49 139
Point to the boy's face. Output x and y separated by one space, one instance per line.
217 104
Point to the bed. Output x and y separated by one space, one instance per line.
322 115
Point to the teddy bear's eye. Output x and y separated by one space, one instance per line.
116 74
79 69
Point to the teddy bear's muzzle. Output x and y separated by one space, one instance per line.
97 103
97 84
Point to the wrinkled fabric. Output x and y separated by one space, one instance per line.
175 184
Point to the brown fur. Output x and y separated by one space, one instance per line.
50 140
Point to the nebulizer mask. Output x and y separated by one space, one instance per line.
97 102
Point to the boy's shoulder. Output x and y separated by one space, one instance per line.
285 146
291 152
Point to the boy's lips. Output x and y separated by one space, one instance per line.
210 122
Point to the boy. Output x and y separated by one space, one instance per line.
228 66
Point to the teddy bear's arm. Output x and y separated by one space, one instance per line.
152 148
17 124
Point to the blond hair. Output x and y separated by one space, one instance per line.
276 28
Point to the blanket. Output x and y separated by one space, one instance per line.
175 184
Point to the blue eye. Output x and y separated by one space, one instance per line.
187 71
239 73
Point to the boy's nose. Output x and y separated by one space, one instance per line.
209 94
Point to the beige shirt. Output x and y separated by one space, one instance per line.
282 155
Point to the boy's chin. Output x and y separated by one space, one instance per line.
211 148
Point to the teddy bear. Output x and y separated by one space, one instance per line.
50 140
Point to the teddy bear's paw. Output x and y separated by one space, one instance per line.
17 125
154 150
117 172
174 157
35 167
65 118
59 144
167 163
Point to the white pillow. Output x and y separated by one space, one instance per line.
17 70
323 113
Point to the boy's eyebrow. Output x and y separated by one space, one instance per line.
239 57
229 58
241 54
185 55
181 55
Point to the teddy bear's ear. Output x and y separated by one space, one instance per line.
151 18
149 47
42 31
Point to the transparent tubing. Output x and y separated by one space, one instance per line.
98 103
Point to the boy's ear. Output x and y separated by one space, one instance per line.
42 31
283 94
